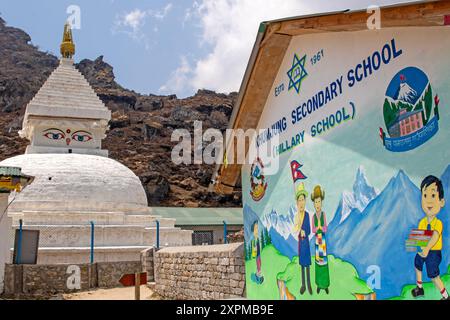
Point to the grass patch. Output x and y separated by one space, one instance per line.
344 279
431 292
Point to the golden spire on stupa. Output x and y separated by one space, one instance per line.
67 45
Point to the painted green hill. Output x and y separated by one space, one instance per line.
345 281
431 293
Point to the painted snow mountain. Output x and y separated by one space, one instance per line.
279 226
377 237
282 223
362 194
406 93
281 231
350 208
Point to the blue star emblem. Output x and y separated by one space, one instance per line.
297 73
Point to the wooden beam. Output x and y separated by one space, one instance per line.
425 14
267 64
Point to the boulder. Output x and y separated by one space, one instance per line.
156 186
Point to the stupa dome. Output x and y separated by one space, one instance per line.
76 182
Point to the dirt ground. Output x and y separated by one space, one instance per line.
112 294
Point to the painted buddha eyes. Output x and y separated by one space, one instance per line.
54 134
82 136
78 136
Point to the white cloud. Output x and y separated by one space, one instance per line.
134 19
229 27
161 14
190 12
178 78
132 23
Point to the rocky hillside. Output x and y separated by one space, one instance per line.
141 126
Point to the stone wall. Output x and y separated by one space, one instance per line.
109 273
200 273
147 262
52 279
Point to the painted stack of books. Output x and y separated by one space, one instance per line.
418 238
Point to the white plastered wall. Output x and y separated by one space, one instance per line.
5 229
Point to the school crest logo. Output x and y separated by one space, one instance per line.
258 184
297 73
411 114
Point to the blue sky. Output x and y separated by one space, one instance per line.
164 47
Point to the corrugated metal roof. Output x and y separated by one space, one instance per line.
201 216
10 171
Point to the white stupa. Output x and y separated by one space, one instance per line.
75 181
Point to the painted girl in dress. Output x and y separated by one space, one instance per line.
303 227
319 228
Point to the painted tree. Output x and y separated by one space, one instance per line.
262 240
428 104
249 250
245 251
389 113
267 237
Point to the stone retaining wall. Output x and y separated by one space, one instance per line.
109 273
53 279
200 273
148 263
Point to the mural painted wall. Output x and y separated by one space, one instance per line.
357 206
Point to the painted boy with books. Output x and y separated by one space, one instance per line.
431 227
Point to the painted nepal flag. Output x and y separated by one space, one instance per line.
297 174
